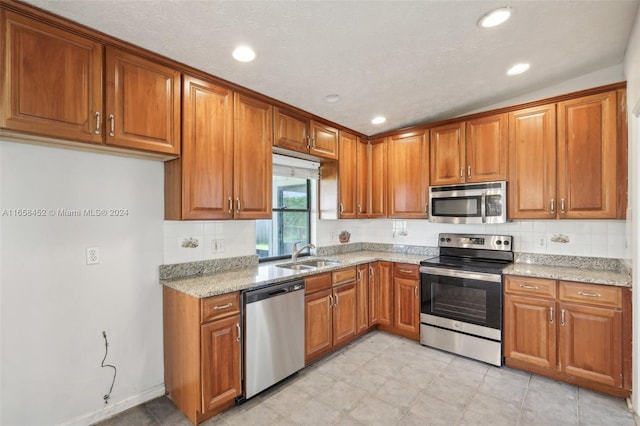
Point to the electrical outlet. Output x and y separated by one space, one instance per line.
93 256
542 242
217 246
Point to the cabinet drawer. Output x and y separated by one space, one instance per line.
532 286
216 307
317 282
344 276
406 270
592 294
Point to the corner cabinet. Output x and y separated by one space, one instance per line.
576 332
53 84
225 168
408 175
202 352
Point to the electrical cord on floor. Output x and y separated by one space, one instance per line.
103 365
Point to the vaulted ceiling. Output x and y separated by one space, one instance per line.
411 61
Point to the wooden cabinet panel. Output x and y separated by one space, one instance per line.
206 165
317 282
362 179
374 293
142 103
51 81
385 293
252 158
220 362
532 163
529 286
447 154
217 307
343 276
408 175
317 325
378 178
362 299
324 140
530 330
590 342
486 148
348 173
406 308
344 313
587 153
291 130
600 295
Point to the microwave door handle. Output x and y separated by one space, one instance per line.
483 207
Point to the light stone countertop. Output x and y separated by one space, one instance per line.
586 274
251 277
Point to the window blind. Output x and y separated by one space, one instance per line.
295 167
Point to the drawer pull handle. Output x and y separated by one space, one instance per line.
582 293
562 317
238 328
228 305
551 315
529 287
406 271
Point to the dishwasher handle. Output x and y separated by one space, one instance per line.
268 292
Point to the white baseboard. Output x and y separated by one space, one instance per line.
112 409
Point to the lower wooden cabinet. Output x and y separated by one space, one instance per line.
202 352
577 332
362 299
385 293
330 312
406 300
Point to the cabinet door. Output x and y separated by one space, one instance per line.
590 343
51 81
291 130
344 313
347 176
207 151
220 363
385 293
317 325
530 330
486 148
362 170
408 175
374 293
448 154
252 135
362 299
406 310
532 163
142 103
324 140
587 149
378 177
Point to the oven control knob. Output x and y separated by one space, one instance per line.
442 239
448 240
506 243
499 242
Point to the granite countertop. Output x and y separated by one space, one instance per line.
617 278
249 277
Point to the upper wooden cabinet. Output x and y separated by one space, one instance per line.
51 81
142 103
296 132
53 85
574 175
408 174
225 168
349 169
377 184
471 151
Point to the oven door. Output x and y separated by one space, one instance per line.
464 297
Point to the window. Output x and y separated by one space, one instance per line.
291 219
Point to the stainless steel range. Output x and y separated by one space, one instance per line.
461 295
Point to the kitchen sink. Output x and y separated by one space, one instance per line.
309 264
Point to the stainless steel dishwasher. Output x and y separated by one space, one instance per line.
274 334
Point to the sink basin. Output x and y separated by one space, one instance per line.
309 264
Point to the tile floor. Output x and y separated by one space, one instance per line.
382 379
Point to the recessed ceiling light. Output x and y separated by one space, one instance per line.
495 17
518 69
244 54
378 120
332 98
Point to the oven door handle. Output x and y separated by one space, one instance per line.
483 207
479 276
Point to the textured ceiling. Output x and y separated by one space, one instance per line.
411 61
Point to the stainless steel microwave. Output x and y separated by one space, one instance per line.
469 203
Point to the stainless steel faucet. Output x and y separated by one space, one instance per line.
295 252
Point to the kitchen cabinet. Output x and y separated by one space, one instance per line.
469 151
408 175
570 331
362 299
330 312
349 169
406 300
225 168
377 178
296 132
202 352
385 293
567 160
54 81
374 293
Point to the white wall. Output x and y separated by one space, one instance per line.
632 73
54 307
